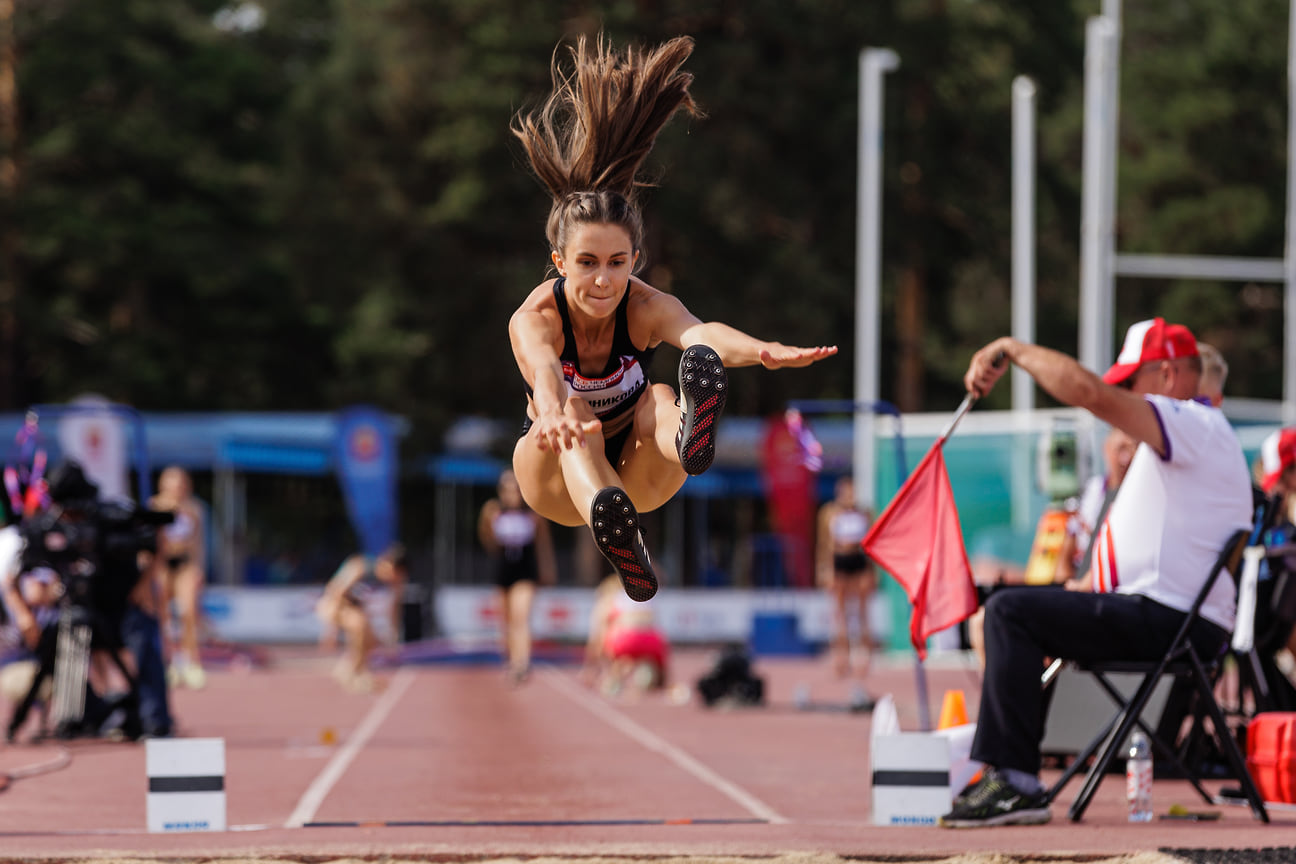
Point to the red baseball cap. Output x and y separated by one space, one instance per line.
1277 453
1148 341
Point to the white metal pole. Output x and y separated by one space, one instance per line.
1289 255
1023 286
1023 232
1095 309
873 64
1111 11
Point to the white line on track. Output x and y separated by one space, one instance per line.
333 771
655 743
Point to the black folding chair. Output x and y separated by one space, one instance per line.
1182 661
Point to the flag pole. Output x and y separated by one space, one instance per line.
968 401
963 409
920 685
920 673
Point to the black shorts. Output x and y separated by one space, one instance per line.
516 565
850 563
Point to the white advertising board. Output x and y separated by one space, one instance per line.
286 614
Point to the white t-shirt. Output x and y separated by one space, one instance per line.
1172 516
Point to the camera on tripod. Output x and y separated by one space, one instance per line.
93 546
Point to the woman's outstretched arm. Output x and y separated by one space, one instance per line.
674 324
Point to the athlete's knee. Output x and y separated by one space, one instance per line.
662 394
657 399
577 408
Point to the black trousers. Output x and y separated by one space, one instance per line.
1024 625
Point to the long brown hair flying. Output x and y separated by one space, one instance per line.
591 136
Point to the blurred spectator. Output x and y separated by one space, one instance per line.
521 545
30 603
626 653
343 609
179 570
849 577
1214 373
1276 603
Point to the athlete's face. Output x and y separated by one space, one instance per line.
597 262
174 484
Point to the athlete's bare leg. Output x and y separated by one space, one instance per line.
506 628
840 646
187 587
353 668
650 468
591 492
560 486
866 587
519 600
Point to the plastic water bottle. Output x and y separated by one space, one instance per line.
1138 778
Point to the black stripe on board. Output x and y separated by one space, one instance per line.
910 778
187 784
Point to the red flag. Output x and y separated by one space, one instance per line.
917 539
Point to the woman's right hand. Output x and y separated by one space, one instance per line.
557 431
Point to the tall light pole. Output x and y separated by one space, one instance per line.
1098 174
1023 284
1023 232
873 64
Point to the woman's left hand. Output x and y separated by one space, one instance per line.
779 356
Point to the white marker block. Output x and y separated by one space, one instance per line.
186 784
911 778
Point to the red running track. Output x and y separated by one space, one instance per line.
548 768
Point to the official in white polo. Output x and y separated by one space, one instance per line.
1188 489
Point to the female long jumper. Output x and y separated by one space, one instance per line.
601 443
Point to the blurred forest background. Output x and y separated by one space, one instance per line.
300 204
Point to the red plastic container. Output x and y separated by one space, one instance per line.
1271 754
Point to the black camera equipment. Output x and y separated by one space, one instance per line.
732 680
94 548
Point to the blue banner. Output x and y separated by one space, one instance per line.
366 464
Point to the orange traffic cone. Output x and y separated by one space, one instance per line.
953 710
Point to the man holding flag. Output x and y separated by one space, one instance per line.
1186 492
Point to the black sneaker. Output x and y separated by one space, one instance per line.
969 789
703 385
615 524
994 801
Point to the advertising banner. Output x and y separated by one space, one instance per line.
366 465
93 434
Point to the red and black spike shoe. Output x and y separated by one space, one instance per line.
615 524
703 385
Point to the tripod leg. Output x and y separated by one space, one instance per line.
45 650
71 676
